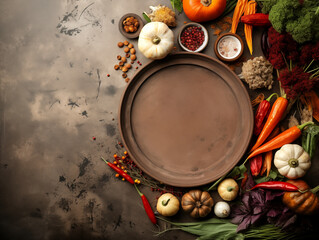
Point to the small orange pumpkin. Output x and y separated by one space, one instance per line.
306 203
203 10
197 203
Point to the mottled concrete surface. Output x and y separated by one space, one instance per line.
55 96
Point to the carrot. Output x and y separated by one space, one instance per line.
266 163
238 12
283 138
248 29
276 112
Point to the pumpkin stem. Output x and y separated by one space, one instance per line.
314 190
164 203
156 39
206 3
293 163
229 189
198 204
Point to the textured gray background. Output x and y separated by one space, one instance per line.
55 96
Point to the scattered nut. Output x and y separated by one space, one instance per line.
128 65
120 44
116 67
126 42
121 67
127 79
130 24
126 49
130 45
127 55
118 57
132 51
124 75
132 62
121 63
133 57
123 59
124 69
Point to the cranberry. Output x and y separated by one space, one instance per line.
192 37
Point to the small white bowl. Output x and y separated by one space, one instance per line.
201 47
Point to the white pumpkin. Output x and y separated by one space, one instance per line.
156 40
292 161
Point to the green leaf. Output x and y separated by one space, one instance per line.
146 17
309 140
273 175
177 4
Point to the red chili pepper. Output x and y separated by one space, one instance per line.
147 207
244 180
256 164
261 114
275 185
119 171
256 20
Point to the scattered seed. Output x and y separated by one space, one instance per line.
108 75
128 65
132 62
124 75
124 69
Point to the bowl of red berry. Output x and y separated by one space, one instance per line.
193 37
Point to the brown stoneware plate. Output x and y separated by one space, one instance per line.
129 34
186 120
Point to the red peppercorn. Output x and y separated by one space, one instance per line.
192 37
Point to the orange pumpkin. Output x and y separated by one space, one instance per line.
203 10
306 203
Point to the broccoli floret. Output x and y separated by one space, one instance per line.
300 19
301 28
282 12
267 5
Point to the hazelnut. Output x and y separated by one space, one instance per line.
124 75
136 24
132 62
126 42
128 65
130 45
131 28
126 29
127 79
123 59
116 67
118 57
132 51
120 44
127 55
121 63
133 57
126 49
124 69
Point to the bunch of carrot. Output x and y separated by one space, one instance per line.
270 138
247 8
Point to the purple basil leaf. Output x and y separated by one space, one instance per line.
271 195
250 182
255 218
237 219
290 221
258 197
244 224
257 210
273 213
246 200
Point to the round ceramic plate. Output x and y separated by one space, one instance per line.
186 120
